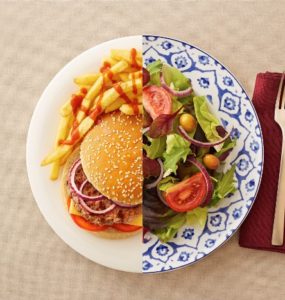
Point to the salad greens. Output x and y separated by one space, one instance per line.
177 149
206 119
196 216
174 76
224 185
192 178
156 147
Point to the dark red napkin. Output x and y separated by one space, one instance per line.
256 231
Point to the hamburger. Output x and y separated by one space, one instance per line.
102 179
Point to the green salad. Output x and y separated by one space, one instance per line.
184 149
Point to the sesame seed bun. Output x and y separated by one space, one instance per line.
111 156
109 233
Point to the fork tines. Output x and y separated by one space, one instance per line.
280 101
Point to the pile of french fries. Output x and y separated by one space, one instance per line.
116 86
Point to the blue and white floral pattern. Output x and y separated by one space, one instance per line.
230 102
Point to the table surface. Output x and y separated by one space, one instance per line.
37 39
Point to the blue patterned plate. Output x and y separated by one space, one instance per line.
230 102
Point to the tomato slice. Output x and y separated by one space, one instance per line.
84 224
156 101
126 227
187 194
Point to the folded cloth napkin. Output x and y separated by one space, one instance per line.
256 231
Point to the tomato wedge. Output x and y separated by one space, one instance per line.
126 227
156 101
84 224
187 194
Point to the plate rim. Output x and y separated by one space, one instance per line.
262 144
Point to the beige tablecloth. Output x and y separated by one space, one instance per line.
39 37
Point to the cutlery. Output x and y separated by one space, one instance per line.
278 225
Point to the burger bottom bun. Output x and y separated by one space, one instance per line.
109 233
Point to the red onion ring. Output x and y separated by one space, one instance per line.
145 130
184 134
208 180
75 189
155 183
183 93
82 185
161 198
96 212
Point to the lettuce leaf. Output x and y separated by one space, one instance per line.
177 149
156 148
206 119
228 146
173 76
167 182
154 70
225 185
196 216
178 81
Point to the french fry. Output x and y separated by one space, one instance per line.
115 105
56 154
54 172
111 95
97 87
63 160
86 79
106 91
121 54
135 75
63 130
63 149
66 108
124 76
129 109
88 99
109 60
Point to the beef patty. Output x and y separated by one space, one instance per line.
117 215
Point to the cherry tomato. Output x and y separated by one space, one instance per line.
84 224
156 101
126 227
188 122
187 194
211 161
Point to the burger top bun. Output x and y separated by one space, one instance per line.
111 156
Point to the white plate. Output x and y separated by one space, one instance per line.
122 255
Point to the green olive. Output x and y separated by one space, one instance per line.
188 122
211 161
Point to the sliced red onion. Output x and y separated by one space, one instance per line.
82 185
75 189
208 180
154 184
160 196
183 93
96 212
199 143
145 130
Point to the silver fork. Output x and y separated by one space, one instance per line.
278 225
